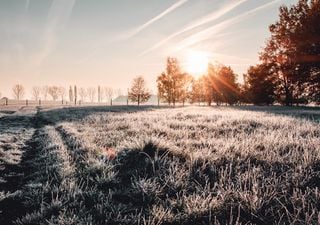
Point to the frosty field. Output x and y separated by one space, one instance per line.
148 165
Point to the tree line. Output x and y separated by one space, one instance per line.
73 94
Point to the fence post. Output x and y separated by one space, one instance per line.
7 101
27 103
111 102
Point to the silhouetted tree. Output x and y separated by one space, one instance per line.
18 91
138 91
294 48
260 85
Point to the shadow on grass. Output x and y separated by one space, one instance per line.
304 112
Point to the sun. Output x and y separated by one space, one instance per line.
196 62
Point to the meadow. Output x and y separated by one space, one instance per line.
148 165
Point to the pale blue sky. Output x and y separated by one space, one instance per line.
108 42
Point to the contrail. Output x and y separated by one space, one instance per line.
27 5
59 13
205 34
128 35
209 18
158 17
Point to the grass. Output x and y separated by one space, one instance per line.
193 165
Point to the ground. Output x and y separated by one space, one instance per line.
149 165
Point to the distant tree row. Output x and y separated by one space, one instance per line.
56 93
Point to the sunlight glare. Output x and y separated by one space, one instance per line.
197 62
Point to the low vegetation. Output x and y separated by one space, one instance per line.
195 165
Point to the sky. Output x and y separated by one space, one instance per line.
109 42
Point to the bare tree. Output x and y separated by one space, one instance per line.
18 91
62 92
82 94
91 91
108 93
45 92
36 91
119 92
54 92
138 91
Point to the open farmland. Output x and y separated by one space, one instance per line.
131 165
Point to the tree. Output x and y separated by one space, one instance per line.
226 84
82 94
62 92
197 90
18 91
138 91
99 94
91 91
45 92
220 85
260 85
75 95
70 94
54 92
36 91
108 93
210 82
293 50
172 83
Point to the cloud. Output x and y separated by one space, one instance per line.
204 20
158 17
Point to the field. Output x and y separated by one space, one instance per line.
148 165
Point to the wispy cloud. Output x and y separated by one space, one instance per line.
158 17
204 20
58 15
210 31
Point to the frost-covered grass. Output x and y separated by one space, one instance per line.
193 165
